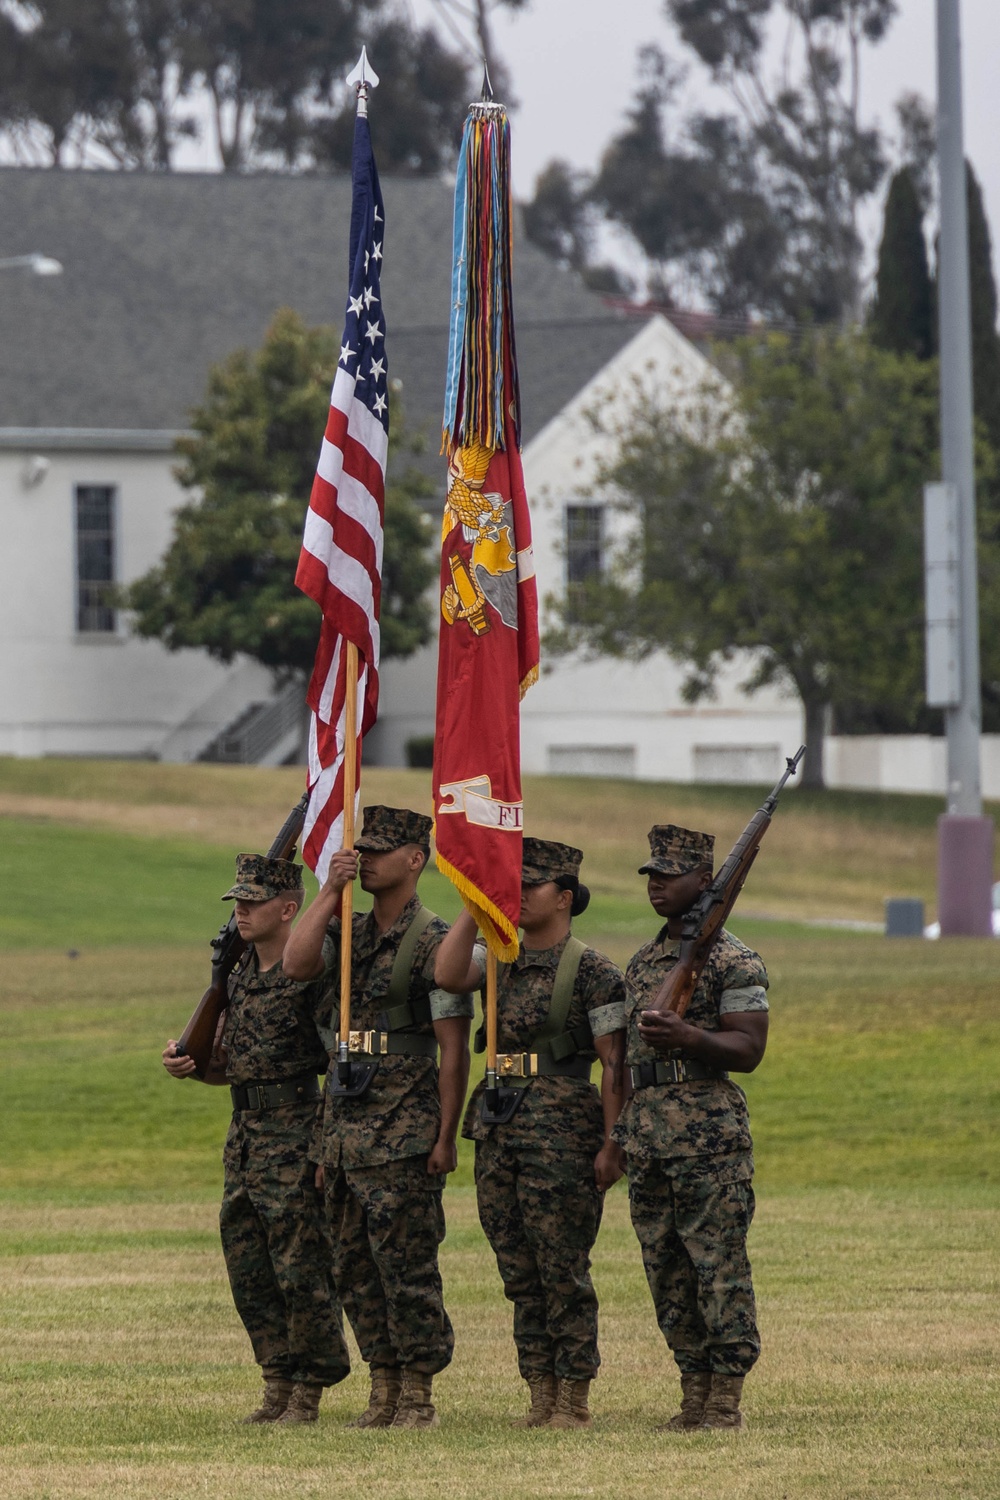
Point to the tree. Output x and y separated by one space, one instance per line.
422 103
261 60
119 81
560 220
478 14
66 68
755 208
901 317
983 300
226 582
781 517
144 126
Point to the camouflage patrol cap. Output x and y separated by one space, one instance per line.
388 828
542 860
677 851
261 879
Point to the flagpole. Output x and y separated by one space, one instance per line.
491 1029
347 896
364 79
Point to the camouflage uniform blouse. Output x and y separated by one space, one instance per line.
270 1029
563 1113
270 1034
706 1115
400 1115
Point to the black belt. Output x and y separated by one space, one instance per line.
270 1095
388 1044
675 1070
514 1065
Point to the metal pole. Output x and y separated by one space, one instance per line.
963 903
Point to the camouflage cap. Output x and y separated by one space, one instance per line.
542 860
677 851
388 828
261 879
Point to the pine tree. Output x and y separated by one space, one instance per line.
901 318
983 297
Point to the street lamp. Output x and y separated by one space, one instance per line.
36 263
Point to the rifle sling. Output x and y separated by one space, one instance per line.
400 1012
554 1040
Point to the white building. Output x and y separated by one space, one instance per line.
609 717
164 275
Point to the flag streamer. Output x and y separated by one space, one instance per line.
482 359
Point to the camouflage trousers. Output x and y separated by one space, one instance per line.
277 1249
387 1223
692 1216
540 1210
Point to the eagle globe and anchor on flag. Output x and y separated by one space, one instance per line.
477 539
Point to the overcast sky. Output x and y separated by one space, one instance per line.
573 66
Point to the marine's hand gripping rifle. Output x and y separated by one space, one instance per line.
702 925
201 1032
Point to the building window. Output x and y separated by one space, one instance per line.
591 760
584 542
742 765
584 552
95 558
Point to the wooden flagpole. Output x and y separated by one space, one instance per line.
347 895
364 78
491 1028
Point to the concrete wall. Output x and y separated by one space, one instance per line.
903 763
96 694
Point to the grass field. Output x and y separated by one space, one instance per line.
123 1366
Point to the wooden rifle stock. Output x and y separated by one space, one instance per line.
702 925
202 1033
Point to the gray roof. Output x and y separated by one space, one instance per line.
166 274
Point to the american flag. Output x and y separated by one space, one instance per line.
340 565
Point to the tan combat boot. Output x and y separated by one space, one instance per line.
571 1405
303 1404
543 1401
276 1394
383 1398
415 1409
695 1386
722 1409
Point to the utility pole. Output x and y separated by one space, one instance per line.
965 837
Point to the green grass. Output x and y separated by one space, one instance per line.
85 888
828 855
123 1367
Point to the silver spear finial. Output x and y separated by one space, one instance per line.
487 107
364 78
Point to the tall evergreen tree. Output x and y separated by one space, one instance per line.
901 318
983 297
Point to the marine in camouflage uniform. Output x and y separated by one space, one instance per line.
274 1232
541 1174
687 1137
385 1153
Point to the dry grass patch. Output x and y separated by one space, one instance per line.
834 855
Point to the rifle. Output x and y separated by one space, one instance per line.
703 924
203 1031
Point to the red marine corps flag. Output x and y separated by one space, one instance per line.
340 565
488 652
